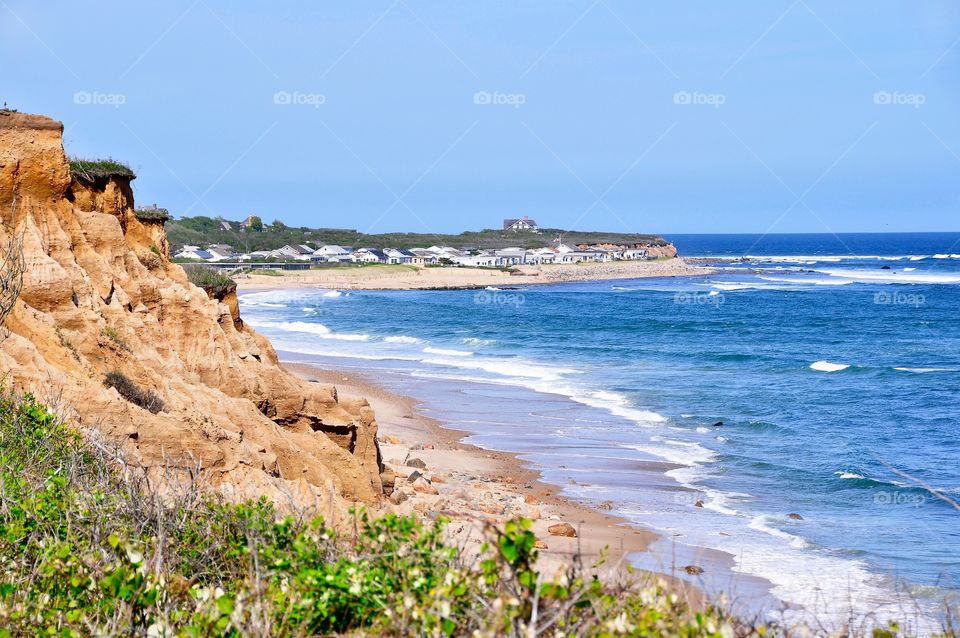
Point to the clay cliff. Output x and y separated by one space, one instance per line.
100 295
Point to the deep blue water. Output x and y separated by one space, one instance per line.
833 363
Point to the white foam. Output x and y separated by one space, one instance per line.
925 370
317 329
332 294
941 256
764 523
849 475
809 281
826 366
474 341
447 353
890 277
402 339
909 269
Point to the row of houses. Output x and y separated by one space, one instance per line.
432 256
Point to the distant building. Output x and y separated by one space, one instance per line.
221 251
294 251
194 252
525 223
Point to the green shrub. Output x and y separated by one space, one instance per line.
153 214
146 399
86 548
207 277
94 169
114 336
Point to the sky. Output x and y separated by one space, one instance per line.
433 115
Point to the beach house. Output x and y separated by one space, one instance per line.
368 256
510 256
330 250
194 252
221 252
524 223
293 251
398 256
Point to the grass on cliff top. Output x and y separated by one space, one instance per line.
93 169
153 214
206 277
88 548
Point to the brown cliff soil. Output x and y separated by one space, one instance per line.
100 295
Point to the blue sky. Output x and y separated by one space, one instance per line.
416 115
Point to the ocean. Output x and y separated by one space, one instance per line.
798 412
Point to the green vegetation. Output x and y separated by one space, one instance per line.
88 548
153 214
203 231
208 278
146 399
115 337
94 169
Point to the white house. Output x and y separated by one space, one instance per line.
542 256
368 256
291 251
194 252
331 250
396 256
423 257
510 256
483 260
636 253
525 223
221 252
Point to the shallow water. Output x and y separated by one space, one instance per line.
827 370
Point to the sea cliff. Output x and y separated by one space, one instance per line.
101 296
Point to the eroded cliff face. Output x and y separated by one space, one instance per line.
101 295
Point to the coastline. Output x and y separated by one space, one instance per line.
477 486
405 277
462 473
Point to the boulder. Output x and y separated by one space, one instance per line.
562 529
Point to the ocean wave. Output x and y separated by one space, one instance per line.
474 341
890 277
765 523
402 339
925 370
849 475
826 366
317 329
448 352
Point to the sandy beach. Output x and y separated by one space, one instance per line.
474 487
404 277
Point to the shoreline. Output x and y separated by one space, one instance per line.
404 432
407 277
516 489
